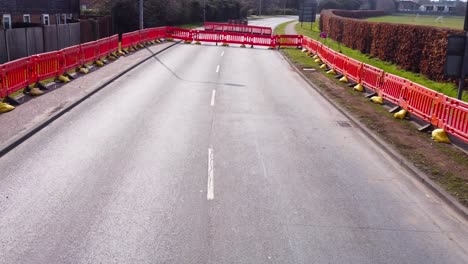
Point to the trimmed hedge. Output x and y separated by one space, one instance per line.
419 49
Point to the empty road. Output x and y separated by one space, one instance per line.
215 155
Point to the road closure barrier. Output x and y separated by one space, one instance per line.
45 66
71 58
289 40
428 105
236 28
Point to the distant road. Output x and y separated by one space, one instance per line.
215 155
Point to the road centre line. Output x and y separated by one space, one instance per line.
222 53
210 186
217 69
213 95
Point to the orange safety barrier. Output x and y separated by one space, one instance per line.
289 40
127 40
103 48
45 66
113 44
310 44
328 56
16 75
234 38
392 88
420 101
70 58
454 117
3 92
340 63
372 77
258 40
354 70
180 33
88 52
210 26
206 36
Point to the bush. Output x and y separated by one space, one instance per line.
419 49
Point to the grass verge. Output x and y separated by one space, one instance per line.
449 89
455 22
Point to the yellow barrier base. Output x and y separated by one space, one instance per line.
343 79
400 114
84 70
35 92
331 72
323 66
63 79
440 136
358 88
4 107
377 99
318 60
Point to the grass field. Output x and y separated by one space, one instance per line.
455 22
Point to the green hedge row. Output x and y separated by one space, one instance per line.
419 49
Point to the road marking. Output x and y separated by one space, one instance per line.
213 94
217 69
210 187
222 53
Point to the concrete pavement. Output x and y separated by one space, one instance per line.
215 155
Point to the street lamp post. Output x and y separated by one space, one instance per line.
204 11
141 14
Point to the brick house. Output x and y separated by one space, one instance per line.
20 13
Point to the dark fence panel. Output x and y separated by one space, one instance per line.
63 36
16 43
50 38
74 34
35 40
3 49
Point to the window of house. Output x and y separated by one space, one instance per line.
27 18
7 21
45 20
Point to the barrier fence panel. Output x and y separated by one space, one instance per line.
289 40
70 58
127 40
136 38
210 26
354 70
3 92
234 38
113 44
258 40
340 63
88 52
16 74
392 88
45 66
420 101
180 33
372 77
103 47
206 36
455 117
328 56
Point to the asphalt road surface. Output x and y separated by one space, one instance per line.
215 155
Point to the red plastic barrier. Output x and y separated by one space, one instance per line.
127 40
89 52
45 66
328 55
310 44
103 47
157 33
372 77
340 63
3 92
392 88
180 33
354 70
210 26
454 117
289 40
234 38
113 43
257 40
420 101
71 58
145 35
206 36
16 75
